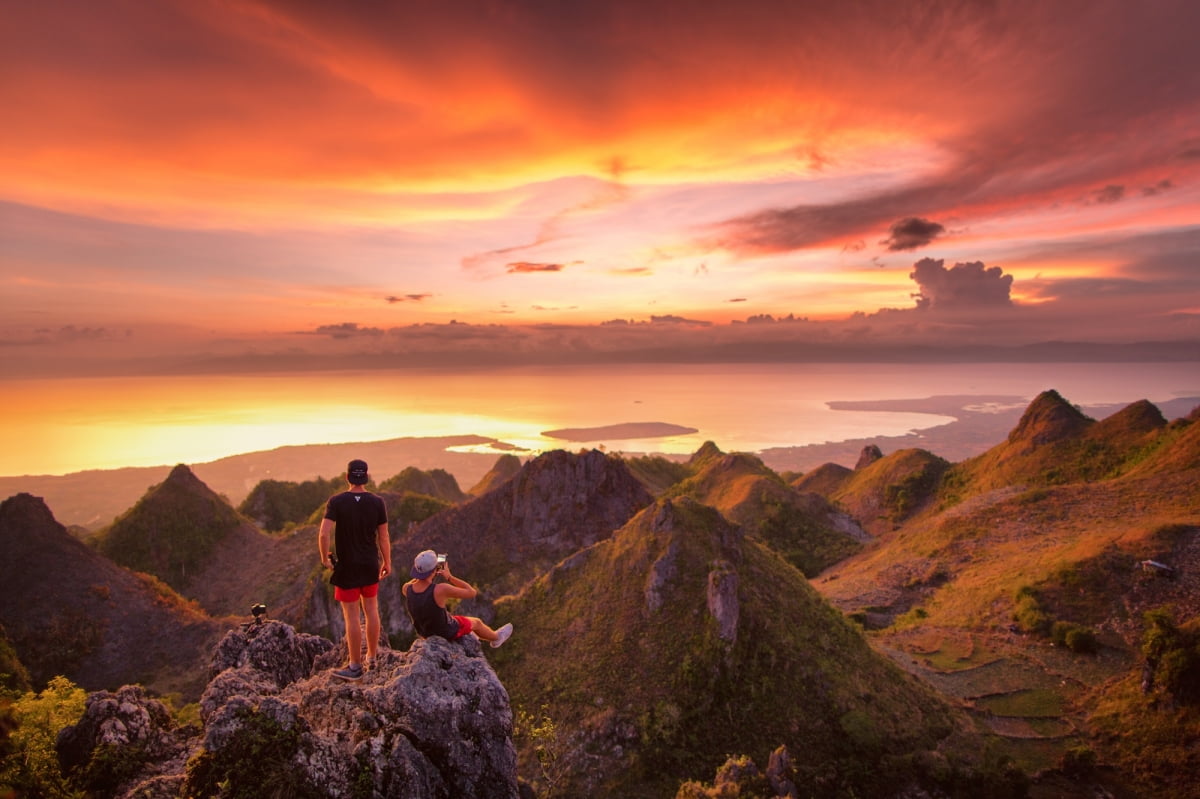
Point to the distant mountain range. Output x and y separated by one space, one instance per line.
914 625
92 499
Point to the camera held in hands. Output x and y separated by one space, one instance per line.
441 562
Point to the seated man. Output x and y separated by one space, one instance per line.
426 603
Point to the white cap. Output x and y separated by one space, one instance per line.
424 564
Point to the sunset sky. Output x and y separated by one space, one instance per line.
235 184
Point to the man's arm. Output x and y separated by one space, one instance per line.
323 542
453 587
385 549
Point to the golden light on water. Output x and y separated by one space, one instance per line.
69 425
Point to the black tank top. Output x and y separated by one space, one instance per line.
427 616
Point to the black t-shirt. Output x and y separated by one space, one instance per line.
356 516
428 617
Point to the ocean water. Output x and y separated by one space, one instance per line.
68 425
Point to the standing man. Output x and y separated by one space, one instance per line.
363 552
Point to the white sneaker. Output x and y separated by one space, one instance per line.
502 634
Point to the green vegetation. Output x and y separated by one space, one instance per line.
910 491
30 764
414 508
171 531
621 660
1153 745
1074 637
434 483
539 736
1032 617
799 537
276 504
13 674
1031 703
1172 654
257 761
1028 612
657 473
58 641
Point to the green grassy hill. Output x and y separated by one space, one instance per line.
661 650
172 531
101 625
437 483
1018 588
885 492
802 527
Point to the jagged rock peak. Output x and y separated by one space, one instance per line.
1142 416
1049 418
429 723
558 473
502 470
182 475
25 510
708 451
870 453
719 464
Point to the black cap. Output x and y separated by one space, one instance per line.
356 472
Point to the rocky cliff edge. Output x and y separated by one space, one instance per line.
431 723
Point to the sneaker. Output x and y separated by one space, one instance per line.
352 673
502 634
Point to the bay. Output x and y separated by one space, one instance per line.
66 425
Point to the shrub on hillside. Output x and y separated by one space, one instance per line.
13 674
1173 655
1029 614
256 761
274 504
1074 637
30 766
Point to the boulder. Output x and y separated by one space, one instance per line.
870 453
430 723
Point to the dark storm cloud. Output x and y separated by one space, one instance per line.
964 285
1033 149
912 232
777 230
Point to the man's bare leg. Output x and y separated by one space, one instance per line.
353 631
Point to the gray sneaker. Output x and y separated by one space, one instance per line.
352 673
502 634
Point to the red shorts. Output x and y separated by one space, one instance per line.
352 594
464 626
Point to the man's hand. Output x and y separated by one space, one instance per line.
385 570
327 560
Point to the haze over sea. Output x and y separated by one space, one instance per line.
68 425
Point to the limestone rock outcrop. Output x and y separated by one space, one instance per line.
431 723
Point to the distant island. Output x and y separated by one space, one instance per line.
620 432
